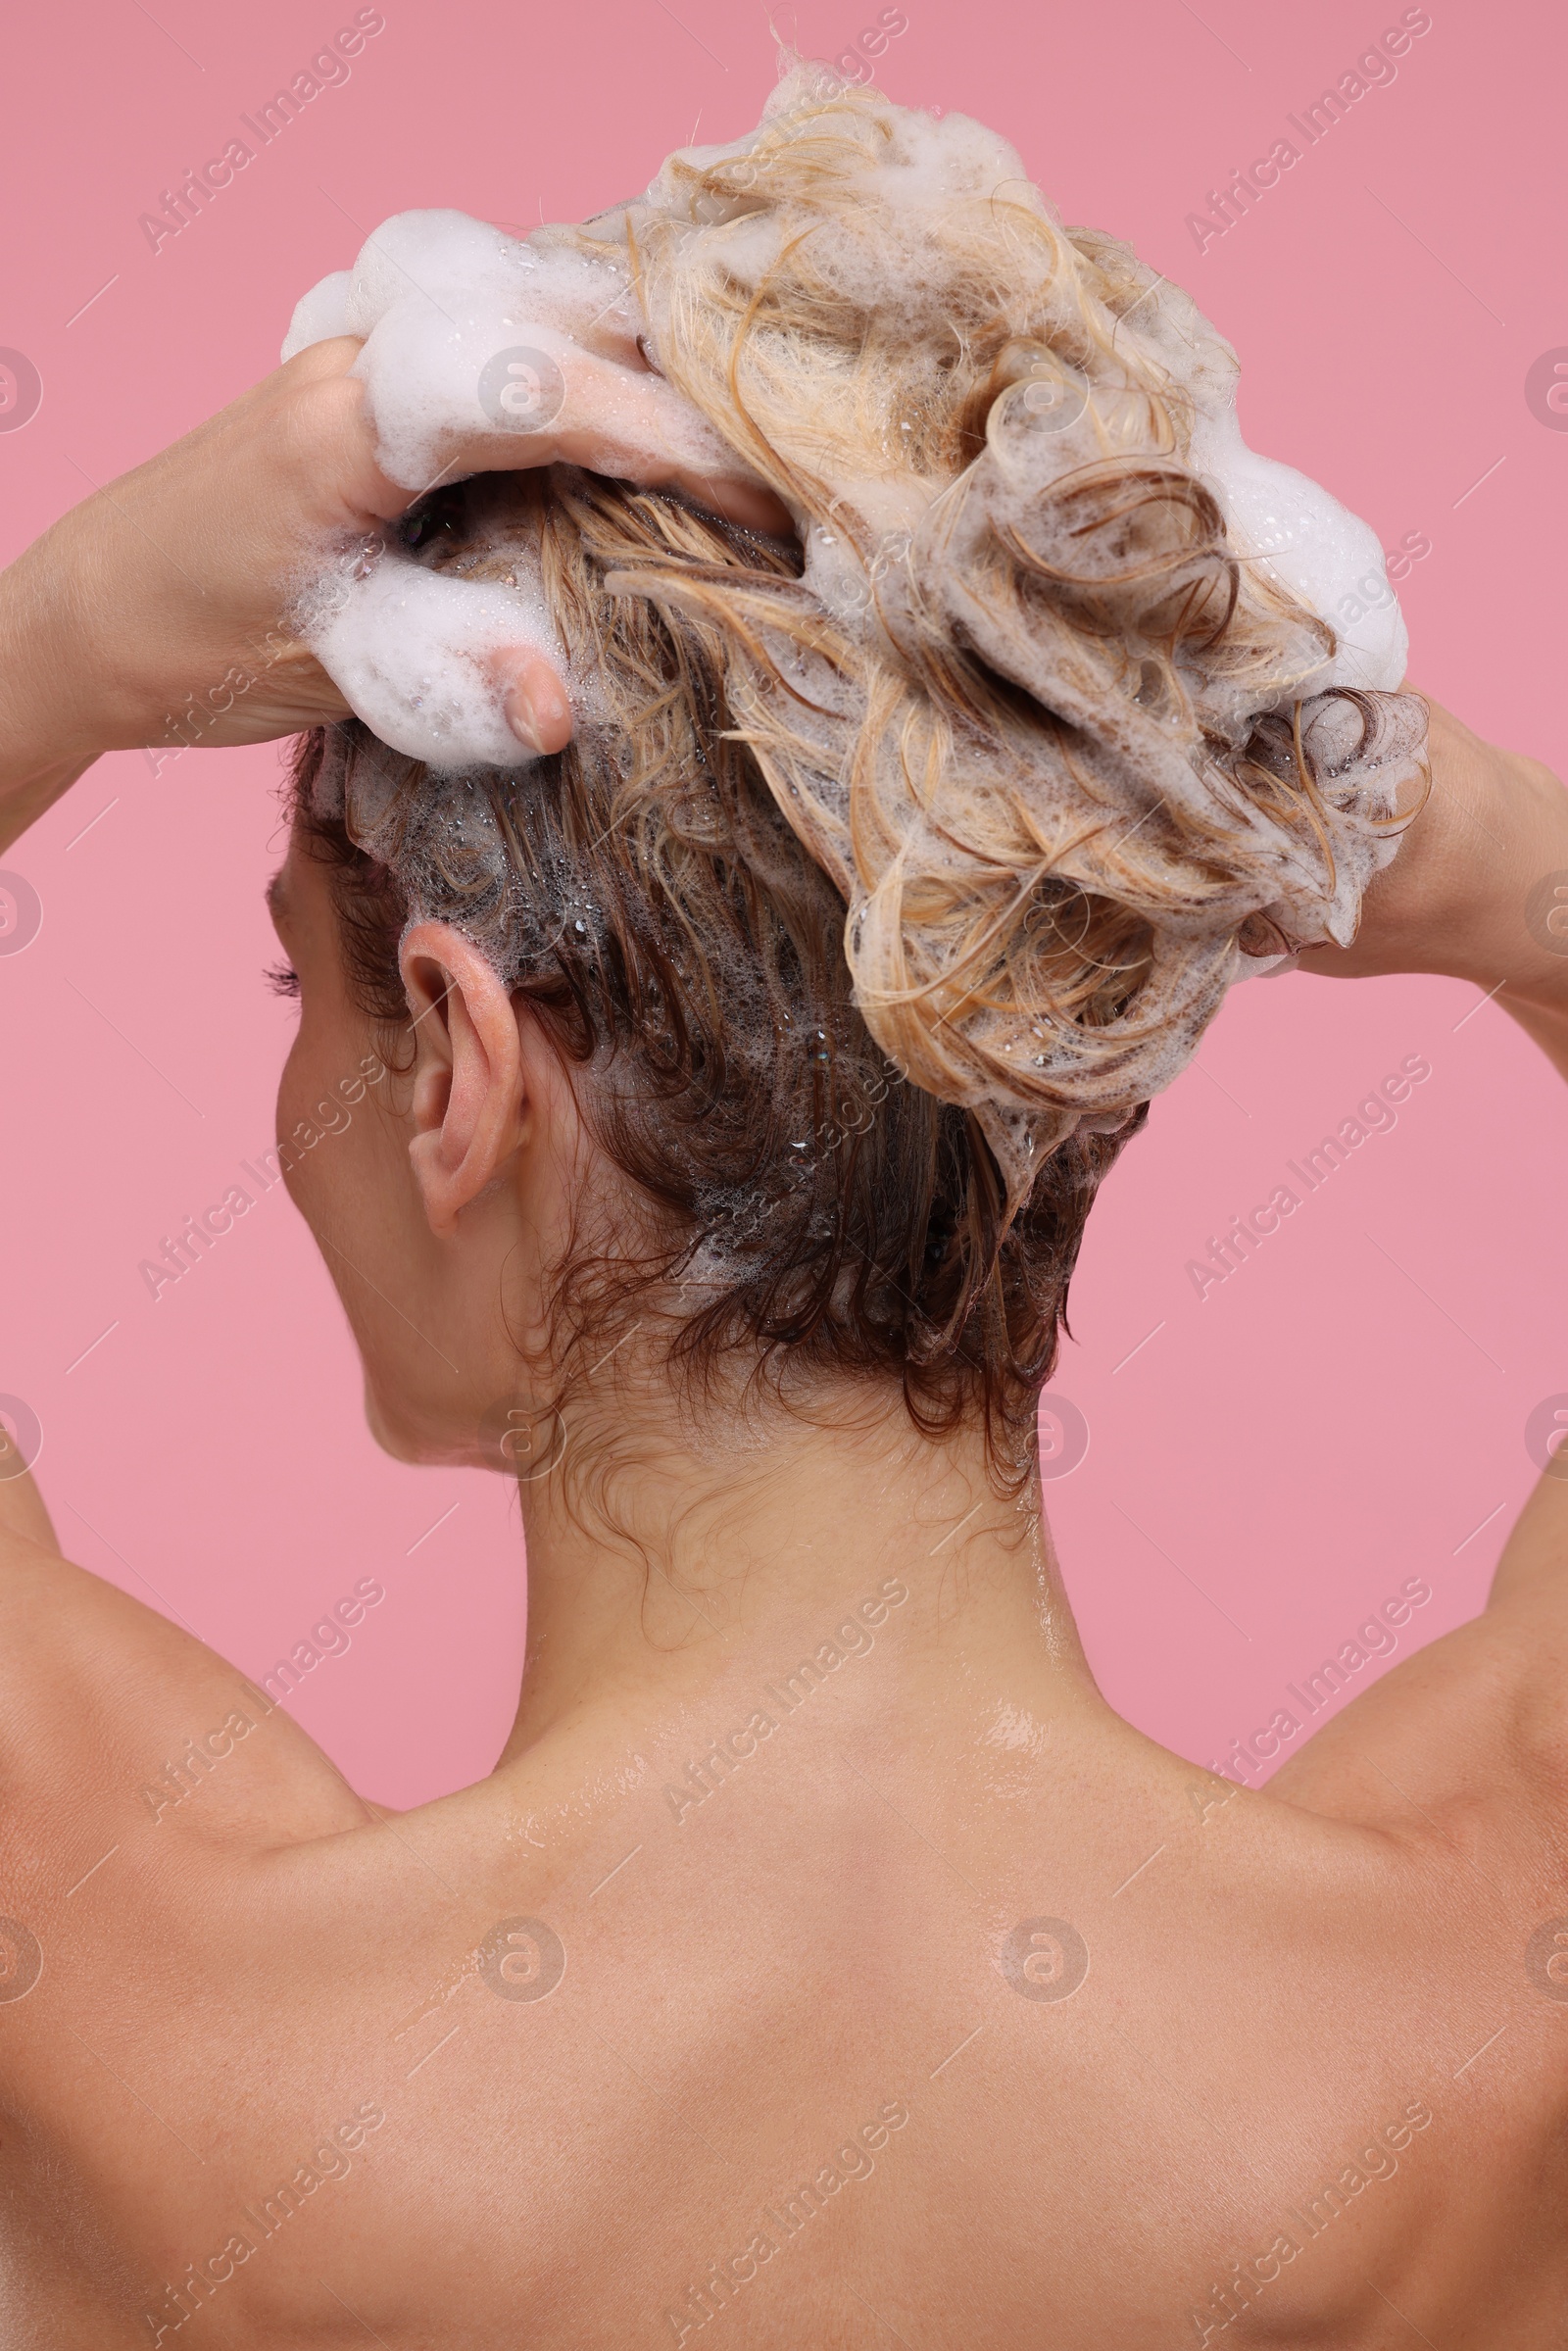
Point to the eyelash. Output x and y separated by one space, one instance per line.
282 979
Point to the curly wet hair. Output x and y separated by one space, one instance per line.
892 869
808 1211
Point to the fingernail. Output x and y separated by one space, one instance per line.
520 716
537 706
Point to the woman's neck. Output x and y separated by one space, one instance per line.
663 1565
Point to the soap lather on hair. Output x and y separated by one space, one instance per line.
1055 700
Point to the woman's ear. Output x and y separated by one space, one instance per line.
469 1097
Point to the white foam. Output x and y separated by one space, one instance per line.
1296 532
320 314
483 351
413 653
475 345
441 298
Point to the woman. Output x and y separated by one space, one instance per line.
824 1962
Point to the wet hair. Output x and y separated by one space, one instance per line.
808 1211
1065 754
892 868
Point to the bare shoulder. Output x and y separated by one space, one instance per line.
131 1755
169 1879
234 1999
1466 1740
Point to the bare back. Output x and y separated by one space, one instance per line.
798 2026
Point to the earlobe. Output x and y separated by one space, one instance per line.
467 1082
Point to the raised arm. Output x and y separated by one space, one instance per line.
174 584
1471 891
166 582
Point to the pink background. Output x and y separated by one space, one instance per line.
1340 1415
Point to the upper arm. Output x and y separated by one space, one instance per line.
120 1729
22 1507
1531 1583
1467 1738
1528 1606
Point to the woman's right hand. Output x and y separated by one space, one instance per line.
1468 893
157 609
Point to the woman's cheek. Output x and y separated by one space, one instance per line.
317 1134
293 1087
